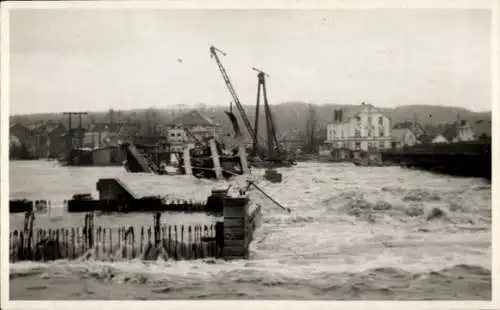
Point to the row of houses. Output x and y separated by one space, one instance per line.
50 139
366 128
361 128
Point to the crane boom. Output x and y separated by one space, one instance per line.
244 116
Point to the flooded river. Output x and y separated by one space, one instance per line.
381 233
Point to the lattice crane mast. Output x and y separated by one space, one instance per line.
273 146
213 53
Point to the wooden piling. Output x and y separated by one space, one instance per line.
189 243
142 240
73 241
169 239
243 158
215 159
157 228
187 160
91 230
176 255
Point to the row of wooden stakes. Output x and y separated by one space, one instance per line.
167 241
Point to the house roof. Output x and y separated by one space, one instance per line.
74 131
440 135
17 125
53 127
414 127
100 127
352 111
128 129
448 131
37 127
194 118
399 133
46 127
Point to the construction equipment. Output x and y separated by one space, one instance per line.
273 152
213 51
250 183
258 149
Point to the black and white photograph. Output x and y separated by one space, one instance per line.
261 153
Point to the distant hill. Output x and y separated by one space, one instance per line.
291 117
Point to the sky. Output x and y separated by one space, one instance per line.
101 59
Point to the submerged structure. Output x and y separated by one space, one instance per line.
228 236
271 155
207 159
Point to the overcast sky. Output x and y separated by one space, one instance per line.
74 60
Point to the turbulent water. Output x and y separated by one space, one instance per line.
382 233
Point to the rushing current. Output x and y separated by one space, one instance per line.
380 233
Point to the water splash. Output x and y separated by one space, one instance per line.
327 248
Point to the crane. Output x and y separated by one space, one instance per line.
273 152
213 52
273 146
258 150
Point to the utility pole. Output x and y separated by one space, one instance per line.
311 130
70 135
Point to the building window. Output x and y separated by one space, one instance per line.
381 144
357 133
357 146
382 131
380 120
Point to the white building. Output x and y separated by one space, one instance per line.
464 132
190 128
456 132
402 137
361 128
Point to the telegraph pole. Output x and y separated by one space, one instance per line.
70 135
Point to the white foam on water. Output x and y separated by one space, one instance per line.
344 219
